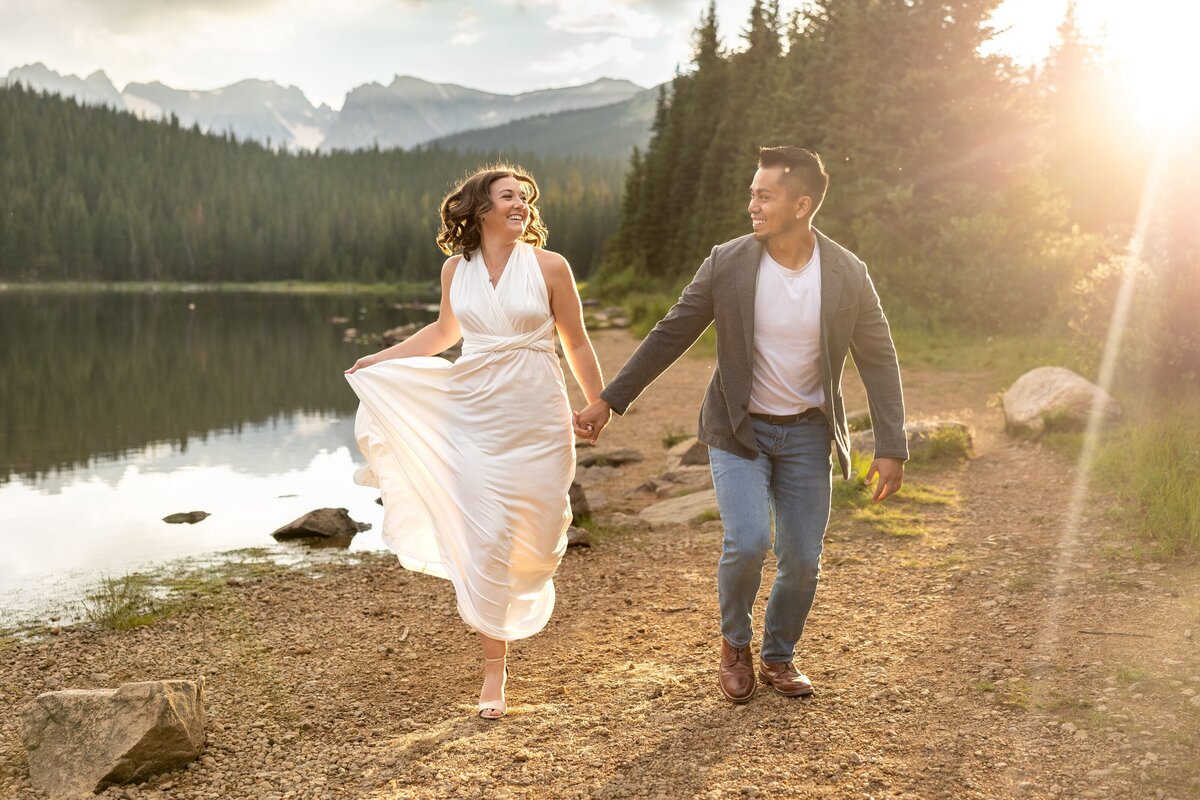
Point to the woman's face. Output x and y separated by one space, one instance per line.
509 214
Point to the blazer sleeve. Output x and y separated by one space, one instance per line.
670 339
875 357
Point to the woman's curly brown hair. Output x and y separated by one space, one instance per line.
462 208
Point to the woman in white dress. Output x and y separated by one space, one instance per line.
474 459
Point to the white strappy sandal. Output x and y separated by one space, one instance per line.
497 707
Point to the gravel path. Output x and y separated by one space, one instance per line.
977 658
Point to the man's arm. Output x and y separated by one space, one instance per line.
662 347
875 357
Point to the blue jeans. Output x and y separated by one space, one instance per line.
789 482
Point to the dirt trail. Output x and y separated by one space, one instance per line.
974 660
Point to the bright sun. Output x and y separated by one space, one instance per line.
1153 42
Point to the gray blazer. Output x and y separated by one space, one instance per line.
723 291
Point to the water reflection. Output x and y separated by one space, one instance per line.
120 409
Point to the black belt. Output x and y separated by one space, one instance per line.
788 419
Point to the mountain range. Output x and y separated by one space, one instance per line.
406 113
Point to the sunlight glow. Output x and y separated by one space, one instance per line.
1077 505
1151 43
1160 63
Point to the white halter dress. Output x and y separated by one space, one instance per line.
474 459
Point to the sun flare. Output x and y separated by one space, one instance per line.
1155 46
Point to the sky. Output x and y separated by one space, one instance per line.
328 47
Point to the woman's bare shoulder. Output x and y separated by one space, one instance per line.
451 264
551 263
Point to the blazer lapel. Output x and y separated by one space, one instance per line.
832 275
832 278
747 283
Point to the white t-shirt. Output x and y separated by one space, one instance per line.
787 337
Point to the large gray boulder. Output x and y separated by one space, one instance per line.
323 523
689 508
1053 393
81 740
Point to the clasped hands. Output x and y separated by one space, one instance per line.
591 421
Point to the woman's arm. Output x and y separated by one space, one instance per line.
434 338
568 318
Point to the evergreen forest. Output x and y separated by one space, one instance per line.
91 194
981 196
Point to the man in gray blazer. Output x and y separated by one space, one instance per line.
788 303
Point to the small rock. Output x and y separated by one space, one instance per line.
621 520
609 458
324 523
589 476
578 537
190 517
578 500
690 452
681 509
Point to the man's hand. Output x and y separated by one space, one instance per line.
891 475
590 421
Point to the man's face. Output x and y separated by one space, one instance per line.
773 209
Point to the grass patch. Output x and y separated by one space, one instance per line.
121 604
673 437
896 516
1131 675
985 686
1010 356
944 444
1017 694
1152 463
708 516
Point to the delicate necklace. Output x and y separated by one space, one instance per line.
493 274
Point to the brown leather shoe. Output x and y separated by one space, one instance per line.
736 675
785 678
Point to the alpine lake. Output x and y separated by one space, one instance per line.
120 408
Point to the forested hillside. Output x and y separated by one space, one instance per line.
980 195
92 194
